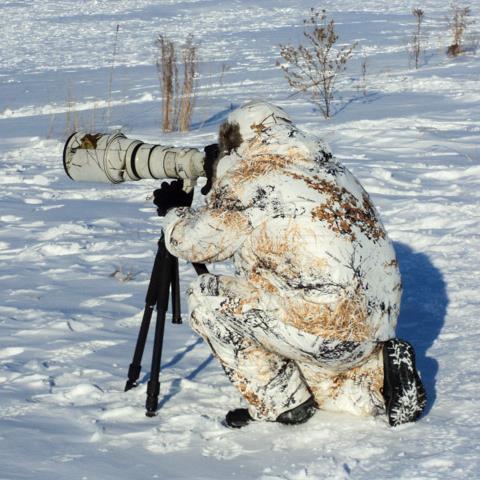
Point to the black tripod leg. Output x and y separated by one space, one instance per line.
135 366
150 301
176 309
153 387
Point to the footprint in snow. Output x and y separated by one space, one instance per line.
80 350
222 449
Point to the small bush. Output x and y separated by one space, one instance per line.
362 85
75 120
178 104
71 114
458 22
168 77
110 79
416 46
187 102
316 66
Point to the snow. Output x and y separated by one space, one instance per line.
75 259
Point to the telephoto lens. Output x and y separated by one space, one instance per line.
114 158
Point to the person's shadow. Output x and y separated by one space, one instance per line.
422 312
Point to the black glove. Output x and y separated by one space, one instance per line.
211 155
171 195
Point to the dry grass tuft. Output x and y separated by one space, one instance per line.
187 101
458 22
168 77
416 45
178 104
346 321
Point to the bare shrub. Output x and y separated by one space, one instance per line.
416 45
225 68
71 114
362 84
458 23
168 77
316 66
110 79
178 104
51 122
188 90
76 119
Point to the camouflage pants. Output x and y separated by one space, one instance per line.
275 366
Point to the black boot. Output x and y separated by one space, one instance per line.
298 414
404 394
240 417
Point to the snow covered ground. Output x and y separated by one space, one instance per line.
75 258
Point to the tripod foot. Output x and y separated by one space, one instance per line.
133 374
151 405
129 385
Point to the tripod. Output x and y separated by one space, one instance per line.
164 277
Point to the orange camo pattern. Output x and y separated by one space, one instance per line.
346 320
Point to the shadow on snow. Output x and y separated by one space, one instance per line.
423 311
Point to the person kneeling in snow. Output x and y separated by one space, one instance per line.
308 319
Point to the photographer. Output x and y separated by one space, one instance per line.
308 319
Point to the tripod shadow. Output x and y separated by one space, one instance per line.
175 385
181 354
423 311
175 359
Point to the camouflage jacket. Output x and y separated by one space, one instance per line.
301 229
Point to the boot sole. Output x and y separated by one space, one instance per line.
404 393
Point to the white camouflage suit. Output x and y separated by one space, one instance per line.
316 285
